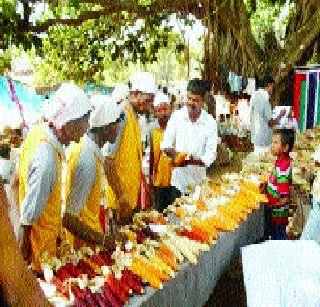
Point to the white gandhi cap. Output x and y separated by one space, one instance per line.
105 114
161 99
120 93
68 103
143 82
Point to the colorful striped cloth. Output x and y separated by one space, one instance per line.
278 186
307 98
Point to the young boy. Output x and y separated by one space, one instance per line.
278 186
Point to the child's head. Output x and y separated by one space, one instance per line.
282 142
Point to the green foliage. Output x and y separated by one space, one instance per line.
5 62
263 19
82 52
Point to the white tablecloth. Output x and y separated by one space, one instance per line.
282 273
194 283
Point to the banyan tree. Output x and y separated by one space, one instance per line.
229 42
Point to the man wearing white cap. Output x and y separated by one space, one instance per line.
120 93
85 184
39 172
160 164
124 167
141 95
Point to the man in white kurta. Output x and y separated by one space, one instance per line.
261 117
193 131
311 230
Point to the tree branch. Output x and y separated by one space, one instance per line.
84 16
110 7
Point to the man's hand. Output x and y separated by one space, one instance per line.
263 188
25 243
171 153
284 201
14 182
125 209
192 161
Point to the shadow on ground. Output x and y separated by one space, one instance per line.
230 290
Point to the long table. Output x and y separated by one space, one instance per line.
193 285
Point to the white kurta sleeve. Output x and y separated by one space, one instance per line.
252 109
42 178
267 111
210 153
84 178
169 135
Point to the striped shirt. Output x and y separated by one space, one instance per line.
278 186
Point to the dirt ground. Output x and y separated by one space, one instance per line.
230 290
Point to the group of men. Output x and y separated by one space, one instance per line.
103 177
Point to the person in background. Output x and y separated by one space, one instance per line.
282 119
228 124
160 165
287 76
124 163
85 183
221 125
292 121
192 134
244 111
288 121
222 100
211 102
311 230
18 286
40 165
261 117
278 187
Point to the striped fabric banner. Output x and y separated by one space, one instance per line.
318 100
298 78
303 106
307 97
312 87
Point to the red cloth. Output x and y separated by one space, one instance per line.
298 78
102 218
143 199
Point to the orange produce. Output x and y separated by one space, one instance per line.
141 270
205 227
204 235
201 205
167 251
168 260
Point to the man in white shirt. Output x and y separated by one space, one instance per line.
261 117
191 130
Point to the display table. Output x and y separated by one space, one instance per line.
193 284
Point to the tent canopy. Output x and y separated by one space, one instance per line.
29 99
